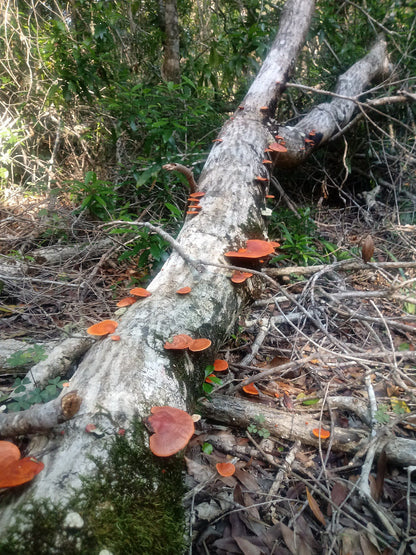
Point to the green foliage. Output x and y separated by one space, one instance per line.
381 415
132 505
207 448
257 428
94 194
28 357
208 387
300 242
20 399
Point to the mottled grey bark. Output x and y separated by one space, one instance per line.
170 69
326 119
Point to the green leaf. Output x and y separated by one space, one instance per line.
207 448
310 402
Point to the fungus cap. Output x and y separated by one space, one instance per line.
200 344
225 468
179 342
103 328
251 389
9 452
140 292
184 291
220 365
240 277
19 472
126 301
255 249
173 428
277 147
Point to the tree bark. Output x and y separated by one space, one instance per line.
170 69
120 380
326 119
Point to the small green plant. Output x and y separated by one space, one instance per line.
301 244
207 448
256 428
208 387
21 399
381 415
96 195
29 357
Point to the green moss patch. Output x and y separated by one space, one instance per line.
132 505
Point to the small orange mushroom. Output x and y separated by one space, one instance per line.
199 345
198 194
240 277
172 427
140 292
179 342
267 162
269 196
225 469
103 328
126 301
217 141
192 212
309 141
260 178
9 452
264 108
241 107
250 389
19 472
255 249
220 365
321 433
115 338
278 147
184 291
208 378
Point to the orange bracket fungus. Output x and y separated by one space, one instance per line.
173 428
260 178
103 328
126 301
179 342
277 147
9 452
250 389
225 469
208 378
140 292
321 433
115 337
220 365
240 277
255 249
198 194
184 291
199 345
15 471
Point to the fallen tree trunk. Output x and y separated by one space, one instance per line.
120 380
296 426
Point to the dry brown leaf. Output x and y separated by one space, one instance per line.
315 508
367 248
247 547
287 401
200 472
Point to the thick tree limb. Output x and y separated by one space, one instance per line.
292 426
326 119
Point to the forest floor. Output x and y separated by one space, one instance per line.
333 346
